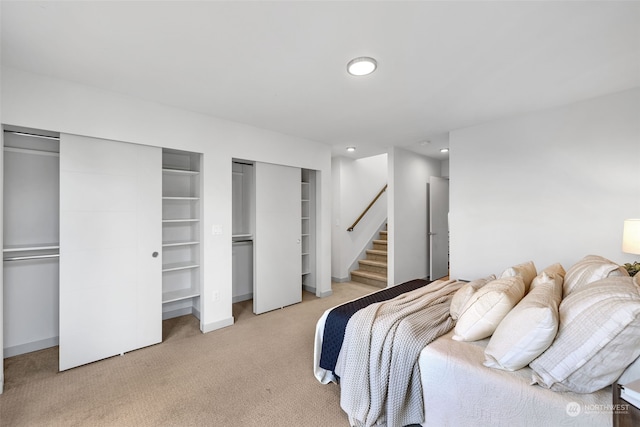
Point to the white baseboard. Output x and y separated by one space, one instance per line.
31 346
240 298
326 294
178 312
217 325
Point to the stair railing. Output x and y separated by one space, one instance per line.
367 208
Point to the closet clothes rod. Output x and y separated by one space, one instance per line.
35 135
28 257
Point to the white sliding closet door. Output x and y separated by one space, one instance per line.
110 217
277 249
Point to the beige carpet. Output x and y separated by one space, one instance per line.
258 372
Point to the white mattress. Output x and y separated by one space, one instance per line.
460 391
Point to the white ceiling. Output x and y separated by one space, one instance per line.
282 65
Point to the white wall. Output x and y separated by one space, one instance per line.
355 183
38 102
551 186
445 168
1 240
409 174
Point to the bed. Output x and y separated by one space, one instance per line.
455 386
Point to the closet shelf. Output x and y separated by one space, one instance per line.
180 198
180 220
242 237
179 266
180 243
179 171
31 257
179 295
31 247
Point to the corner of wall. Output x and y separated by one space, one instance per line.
1 268
217 325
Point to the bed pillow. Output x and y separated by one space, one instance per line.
528 329
599 336
487 307
588 270
463 294
552 271
526 270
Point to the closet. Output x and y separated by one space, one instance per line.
30 240
101 241
273 211
242 230
181 231
308 227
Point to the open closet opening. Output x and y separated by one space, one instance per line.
274 235
31 191
181 233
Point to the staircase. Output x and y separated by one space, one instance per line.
373 269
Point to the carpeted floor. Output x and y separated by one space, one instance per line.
257 372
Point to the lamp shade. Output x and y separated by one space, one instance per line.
631 236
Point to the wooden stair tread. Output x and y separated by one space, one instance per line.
376 252
373 262
380 242
369 275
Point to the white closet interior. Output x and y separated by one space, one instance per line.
30 240
308 219
242 229
181 233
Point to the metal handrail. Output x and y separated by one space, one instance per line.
367 208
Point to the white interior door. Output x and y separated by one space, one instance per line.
110 228
438 227
277 248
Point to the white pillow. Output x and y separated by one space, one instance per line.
487 307
526 270
599 336
552 271
528 329
590 269
463 294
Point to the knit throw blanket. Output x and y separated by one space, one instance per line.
378 364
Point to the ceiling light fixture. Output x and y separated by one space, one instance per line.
444 150
351 149
362 66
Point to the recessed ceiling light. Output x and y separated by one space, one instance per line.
351 149
444 150
362 66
